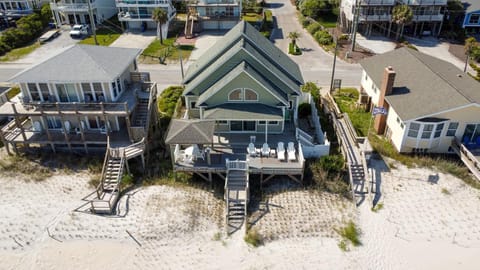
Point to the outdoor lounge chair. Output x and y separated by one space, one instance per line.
291 151
280 151
265 150
251 150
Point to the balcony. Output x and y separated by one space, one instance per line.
428 18
376 2
220 18
375 18
204 3
424 2
139 3
131 16
77 6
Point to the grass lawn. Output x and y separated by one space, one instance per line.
328 21
105 37
167 50
18 53
252 17
346 99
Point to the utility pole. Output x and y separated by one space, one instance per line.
334 62
92 22
355 25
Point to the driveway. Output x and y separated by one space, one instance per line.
427 45
49 49
315 63
135 39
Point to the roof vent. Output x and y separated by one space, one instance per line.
459 75
390 68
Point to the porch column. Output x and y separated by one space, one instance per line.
127 121
65 133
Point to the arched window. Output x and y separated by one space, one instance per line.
250 95
235 95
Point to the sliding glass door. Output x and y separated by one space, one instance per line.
472 132
67 93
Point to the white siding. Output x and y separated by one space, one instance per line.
397 132
370 87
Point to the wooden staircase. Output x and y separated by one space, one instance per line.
141 113
108 191
236 195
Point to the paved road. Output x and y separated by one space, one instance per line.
315 63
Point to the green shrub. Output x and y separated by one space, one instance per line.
304 21
332 163
313 89
253 237
293 49
350 233
13 92
313 28
323 37
168 100
304 110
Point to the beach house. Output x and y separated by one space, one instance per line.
432 106
241 111
212 15
376 15
471 22
76 99
137 14
82 11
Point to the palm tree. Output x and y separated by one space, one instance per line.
294 36
401 15
160 16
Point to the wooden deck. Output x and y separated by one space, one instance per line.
257 165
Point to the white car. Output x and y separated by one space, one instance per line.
79 31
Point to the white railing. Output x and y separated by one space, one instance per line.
236 165
68 6
377 2
467 157
436 17
300 134
424 2
375 18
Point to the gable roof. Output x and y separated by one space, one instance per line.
424 85
472 5
183 131
81 63
243 67
244 31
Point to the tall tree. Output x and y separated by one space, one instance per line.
294 36
160 16
401 15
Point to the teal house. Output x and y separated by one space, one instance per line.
244 83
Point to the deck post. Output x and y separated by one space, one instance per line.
128 167
65 133
143 162
17 122
105 119
127 121
5 141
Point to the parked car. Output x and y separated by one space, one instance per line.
49 35
79 31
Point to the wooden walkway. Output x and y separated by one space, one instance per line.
470 157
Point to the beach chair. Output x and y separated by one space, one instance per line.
291 151
280 151
265 150
251 150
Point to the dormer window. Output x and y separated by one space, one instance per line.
250 95
235 95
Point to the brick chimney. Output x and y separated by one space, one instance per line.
385 89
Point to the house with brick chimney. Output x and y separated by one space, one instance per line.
433 107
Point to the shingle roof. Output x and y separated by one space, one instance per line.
243 67
424 85
182 131
81 63
472 5
239 111
244 31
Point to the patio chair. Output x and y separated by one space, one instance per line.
265 150
251 150
280 151
291 151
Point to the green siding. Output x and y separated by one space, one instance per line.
243 81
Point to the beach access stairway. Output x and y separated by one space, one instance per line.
141 112
236 194
108 190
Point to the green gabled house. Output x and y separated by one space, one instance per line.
243 83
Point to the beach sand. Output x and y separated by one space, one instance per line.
421 226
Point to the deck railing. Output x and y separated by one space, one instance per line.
467 157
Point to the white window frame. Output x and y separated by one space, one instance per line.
424 131
449 129
236 100
242 95
413 130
